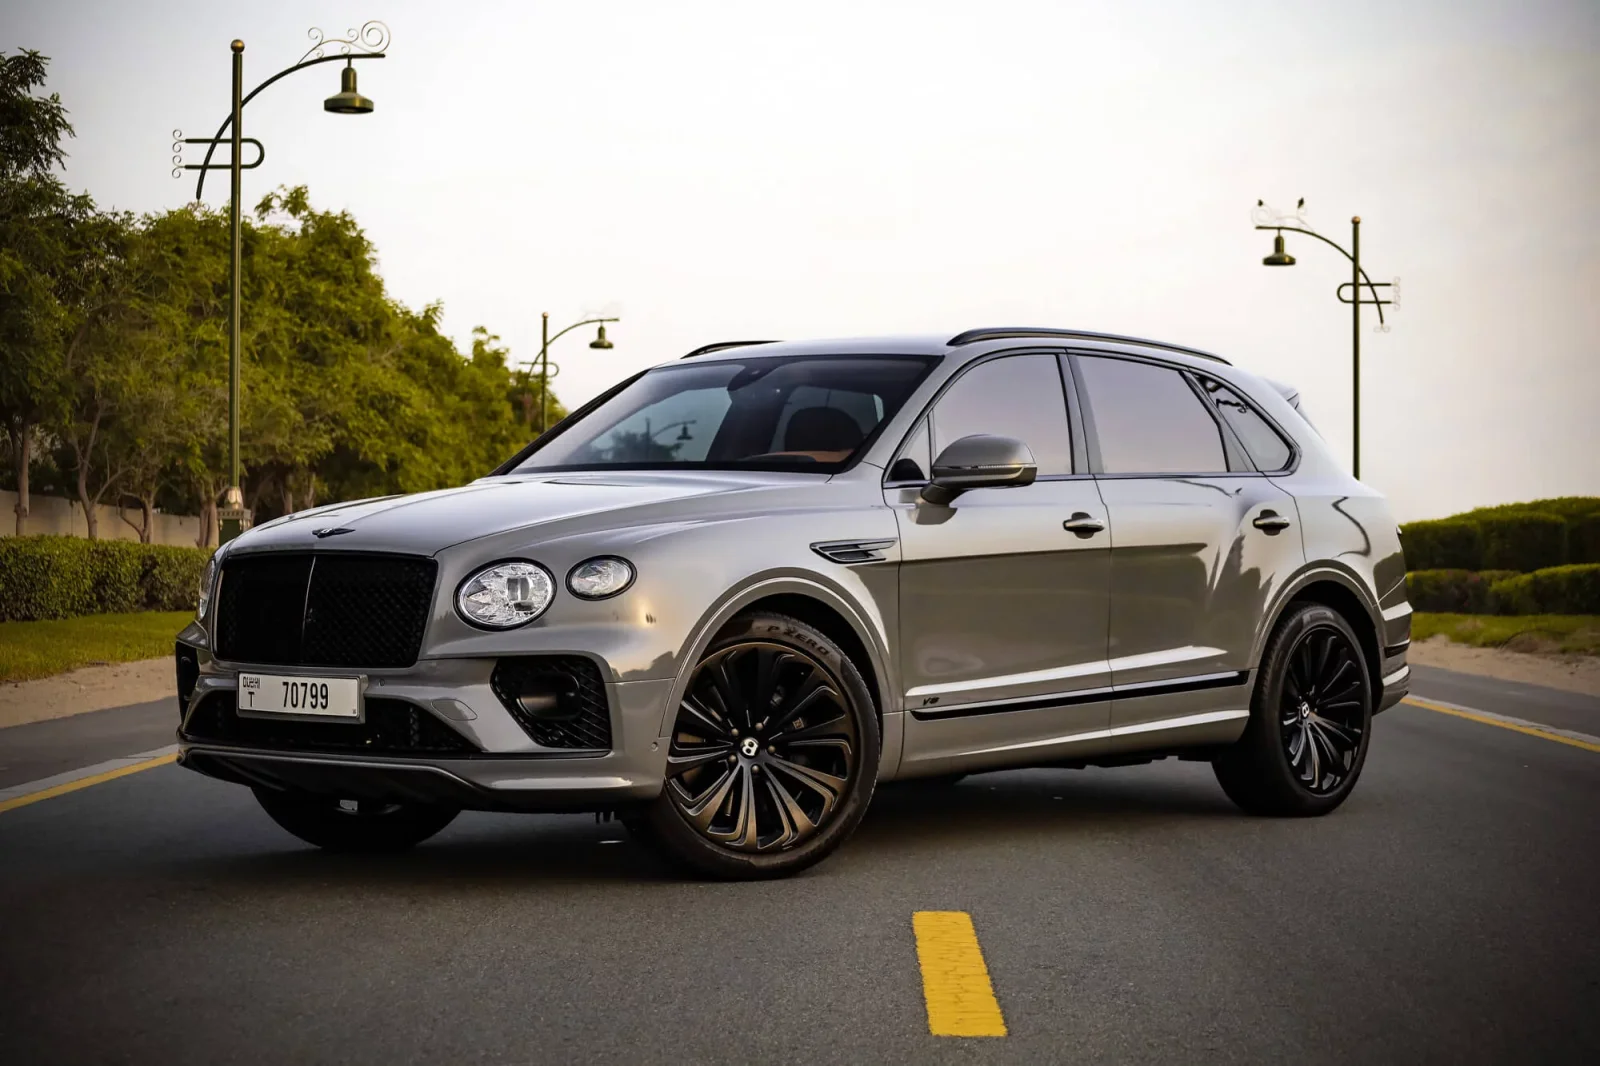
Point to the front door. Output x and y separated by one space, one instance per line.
1002 610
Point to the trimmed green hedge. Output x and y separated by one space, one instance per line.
1557 590
1442 544
1452 591
61 577
1522 541
1513 536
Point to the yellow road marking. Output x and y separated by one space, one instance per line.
1513 726
84 782
955 982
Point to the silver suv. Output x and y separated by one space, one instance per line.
732 595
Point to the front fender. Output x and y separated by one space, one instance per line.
859 611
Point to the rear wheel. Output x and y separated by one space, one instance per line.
353 825
773 757
1310 719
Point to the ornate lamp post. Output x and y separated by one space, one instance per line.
547 369
1267 218
370 42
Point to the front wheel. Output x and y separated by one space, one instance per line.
353 825
1310 717
773 757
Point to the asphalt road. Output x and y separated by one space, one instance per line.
1447 913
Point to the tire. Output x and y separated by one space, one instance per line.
363 825
751 795
1310 720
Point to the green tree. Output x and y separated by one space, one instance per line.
39 257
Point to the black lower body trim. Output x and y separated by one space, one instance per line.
1091 695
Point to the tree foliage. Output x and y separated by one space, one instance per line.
114 349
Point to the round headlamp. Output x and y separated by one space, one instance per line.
597 578
505 595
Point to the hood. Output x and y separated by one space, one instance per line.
429 522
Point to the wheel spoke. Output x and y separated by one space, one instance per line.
683 759
735 710
796 823
702 721
826 785
702 810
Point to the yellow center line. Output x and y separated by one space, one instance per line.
955 982
1497 723
84 782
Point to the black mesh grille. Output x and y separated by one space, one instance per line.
392 727
324 609
579 717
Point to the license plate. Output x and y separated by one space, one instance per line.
319 697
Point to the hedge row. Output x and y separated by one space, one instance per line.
1556 590
1453 591
61 577
1519 536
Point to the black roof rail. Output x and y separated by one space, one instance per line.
707 349
1002 333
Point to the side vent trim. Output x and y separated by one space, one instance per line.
853 551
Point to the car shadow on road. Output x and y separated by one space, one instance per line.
1026 804
1037 806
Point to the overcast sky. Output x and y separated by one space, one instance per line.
738 170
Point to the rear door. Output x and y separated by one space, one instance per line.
1002 610
1201 539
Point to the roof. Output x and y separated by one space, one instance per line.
975 340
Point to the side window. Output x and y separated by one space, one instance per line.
1018 396
1267 449
1148 420
915 459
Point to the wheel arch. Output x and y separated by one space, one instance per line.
857 632
1339 592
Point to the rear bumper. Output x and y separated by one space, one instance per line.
1396 684
476 783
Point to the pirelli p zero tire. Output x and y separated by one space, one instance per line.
773 756
1310 719
353 825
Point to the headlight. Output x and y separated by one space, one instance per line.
505 595
595 579
208 581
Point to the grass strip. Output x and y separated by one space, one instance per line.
30 650
1569 633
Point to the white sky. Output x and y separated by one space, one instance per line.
736 170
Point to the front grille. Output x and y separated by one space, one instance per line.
558 700
324 609
392 727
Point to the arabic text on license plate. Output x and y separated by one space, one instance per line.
330 697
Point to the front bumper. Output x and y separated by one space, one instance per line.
500 767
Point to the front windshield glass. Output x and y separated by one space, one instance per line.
810 413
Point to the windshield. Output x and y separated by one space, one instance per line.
809 413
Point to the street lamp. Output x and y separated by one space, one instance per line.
545 368
1267 218
369 42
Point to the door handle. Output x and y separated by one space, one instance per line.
1271 523
1083 524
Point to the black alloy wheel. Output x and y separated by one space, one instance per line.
1310 719
1322 709
773 753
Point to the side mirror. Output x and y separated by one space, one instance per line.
980 461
